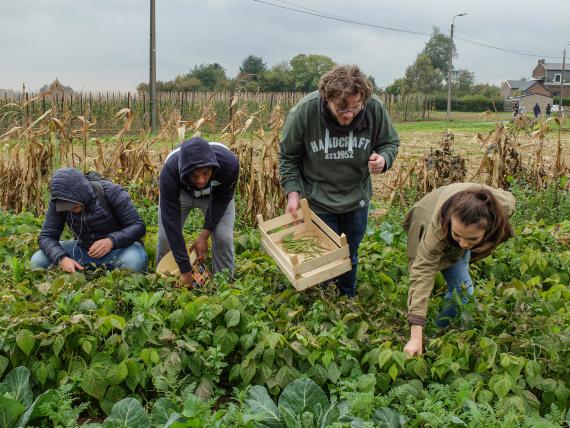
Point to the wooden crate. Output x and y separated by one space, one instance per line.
168 267
303 274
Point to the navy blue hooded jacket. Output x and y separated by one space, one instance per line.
123 226
175 177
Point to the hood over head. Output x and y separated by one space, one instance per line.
69 184
195 153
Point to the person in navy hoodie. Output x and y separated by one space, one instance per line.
107 228
198 174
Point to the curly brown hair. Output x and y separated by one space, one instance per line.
343 81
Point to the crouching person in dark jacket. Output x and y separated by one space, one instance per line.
203 175
107 231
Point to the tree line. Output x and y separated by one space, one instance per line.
427 75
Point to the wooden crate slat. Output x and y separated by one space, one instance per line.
321 225
320 261
323 274
281 258
280 221
278 236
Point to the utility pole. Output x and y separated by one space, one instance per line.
562 81
152 77
451 67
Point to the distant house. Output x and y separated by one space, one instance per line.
550 75
517 88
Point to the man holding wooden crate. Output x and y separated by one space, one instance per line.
333 139
198 174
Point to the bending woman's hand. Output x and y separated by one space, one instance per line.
416 343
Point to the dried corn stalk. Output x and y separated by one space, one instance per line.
501 159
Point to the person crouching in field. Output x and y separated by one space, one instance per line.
203 175
448 228
106 225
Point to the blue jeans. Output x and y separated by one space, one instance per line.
132 257
457 278
353 225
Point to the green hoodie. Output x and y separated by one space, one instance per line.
327 163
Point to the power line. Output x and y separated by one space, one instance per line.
320 14
505 49
350 21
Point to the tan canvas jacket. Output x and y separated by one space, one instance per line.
428 248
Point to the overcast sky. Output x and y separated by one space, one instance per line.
103 44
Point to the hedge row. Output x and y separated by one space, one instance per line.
470 103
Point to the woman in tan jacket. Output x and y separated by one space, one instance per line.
447 229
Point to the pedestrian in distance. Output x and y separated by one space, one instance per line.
515 109
198 174
107 227
536 110
333 139
548 110
447 229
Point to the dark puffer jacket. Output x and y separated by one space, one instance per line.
123 226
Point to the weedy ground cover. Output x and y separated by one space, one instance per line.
119 349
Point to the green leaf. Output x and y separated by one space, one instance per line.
327 357
393 371
57 344
273 338
197 409
17 382
127 413
113 395
562 393
247 370
37 409
302 395
286 375
177 319
161 411
94 381
421 368
41 373
501 384
333 372
25 340
10 410
226 339
232 318
400 359
384 356
3 364
388 418
206 388
262 406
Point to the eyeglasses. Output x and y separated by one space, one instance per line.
353 110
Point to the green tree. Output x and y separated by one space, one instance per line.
277 79
463 81
211 76
437 49
306 70
422 77
252 67
486 89
395 88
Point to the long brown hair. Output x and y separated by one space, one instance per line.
478 207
